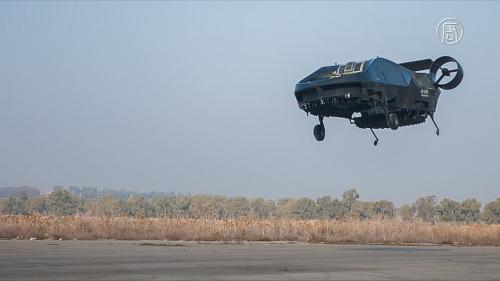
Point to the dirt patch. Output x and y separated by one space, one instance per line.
162 244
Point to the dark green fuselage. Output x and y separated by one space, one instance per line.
378 87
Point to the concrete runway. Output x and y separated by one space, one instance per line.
157 260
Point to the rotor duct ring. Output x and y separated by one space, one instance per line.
438 65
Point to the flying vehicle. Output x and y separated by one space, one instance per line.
377 93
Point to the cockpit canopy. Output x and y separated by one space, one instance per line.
377 70
335 71
349 68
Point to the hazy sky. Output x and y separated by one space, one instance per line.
198 97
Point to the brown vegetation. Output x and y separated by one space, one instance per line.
386 231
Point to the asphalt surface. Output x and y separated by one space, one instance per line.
158 260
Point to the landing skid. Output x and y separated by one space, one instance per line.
437 128
375 142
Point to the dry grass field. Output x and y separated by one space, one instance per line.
384 231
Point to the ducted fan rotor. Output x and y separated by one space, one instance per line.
448 71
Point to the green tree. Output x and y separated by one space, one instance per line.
448 210
216 207
139 206
285 207
10 206
238 207
304 208
16 206
491 212
325 207
407 212
62 203
182 204
383 208
38 205
122 207
470 210
107 206
363 210
426 208
198 206
271 208
349 199
262 208
164 206
339 210
23 204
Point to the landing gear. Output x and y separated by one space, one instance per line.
375 142
391 118
435 125
393 121
319 130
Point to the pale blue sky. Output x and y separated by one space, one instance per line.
198 97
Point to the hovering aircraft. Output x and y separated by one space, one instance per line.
377 93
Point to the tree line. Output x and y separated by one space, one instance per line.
63 202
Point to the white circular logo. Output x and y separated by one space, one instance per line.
450 31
